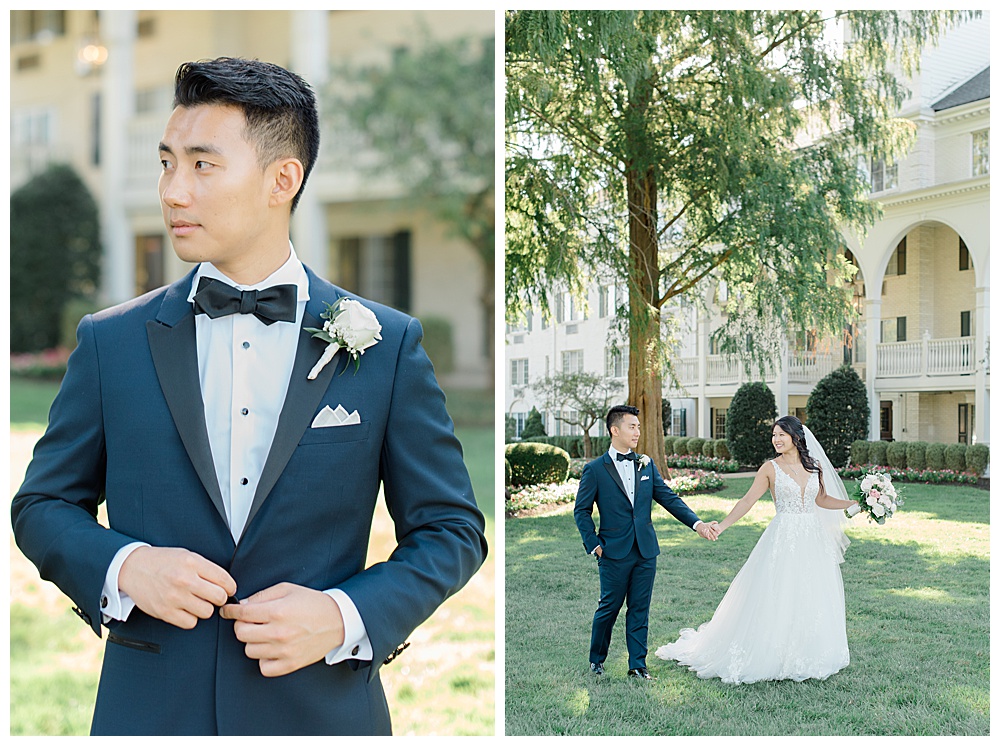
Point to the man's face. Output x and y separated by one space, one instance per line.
626 434
213 193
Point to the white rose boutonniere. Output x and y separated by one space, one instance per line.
347 325
643 461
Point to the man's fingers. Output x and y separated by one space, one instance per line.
254 612
215 575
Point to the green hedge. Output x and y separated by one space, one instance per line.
695 446
720 449
573 444
916 455
877 453
895 454
919 455
859 452
681 446
506 471
934 453
668 444
954 456
536 463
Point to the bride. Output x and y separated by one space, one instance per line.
783 616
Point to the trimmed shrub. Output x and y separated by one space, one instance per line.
916 455
954 456
934 453
876 453
536 463
533 427
695 446
709 448
721 449
55 255
668 444
895 454
752 413
506 471
838 412
681 446
977 457
859 452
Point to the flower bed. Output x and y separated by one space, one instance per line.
727 466
48 364
538 495
925 476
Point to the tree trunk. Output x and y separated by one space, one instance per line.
644 369
588 448
488 299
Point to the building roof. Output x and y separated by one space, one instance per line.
974 89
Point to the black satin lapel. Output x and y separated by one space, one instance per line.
301 400
175 357
615 475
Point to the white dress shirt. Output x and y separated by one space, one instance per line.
244 367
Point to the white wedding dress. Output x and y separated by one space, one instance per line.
783 615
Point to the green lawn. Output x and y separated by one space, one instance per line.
917 593
30 402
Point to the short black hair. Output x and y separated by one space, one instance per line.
279 106
617 413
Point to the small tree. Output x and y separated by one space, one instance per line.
666 412
580 399
838 413
533 427
748 424
55 255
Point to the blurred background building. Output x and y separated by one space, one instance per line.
921 343
93 89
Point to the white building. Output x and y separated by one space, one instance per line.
922 346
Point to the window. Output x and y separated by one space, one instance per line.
882 176
572 361
520 419
377 267
719 423
966 324
678 423
519 372
966 422
615 362
36 25
894 330
963 255
897 262
981 153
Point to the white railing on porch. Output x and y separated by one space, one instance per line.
928 357
807 367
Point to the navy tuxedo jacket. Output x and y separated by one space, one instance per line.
622 524
128 428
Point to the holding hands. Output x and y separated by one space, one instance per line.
709 531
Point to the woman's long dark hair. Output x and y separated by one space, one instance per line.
793 427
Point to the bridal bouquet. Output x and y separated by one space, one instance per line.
877 497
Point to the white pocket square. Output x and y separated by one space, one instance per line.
643 479
336 417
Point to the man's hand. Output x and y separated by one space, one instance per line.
599 551
708 531
175 585
287 627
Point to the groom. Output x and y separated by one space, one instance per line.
240 489
623 486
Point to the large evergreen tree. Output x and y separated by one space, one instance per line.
749 420
669 147
55 255
837 413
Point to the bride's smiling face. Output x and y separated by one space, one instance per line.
781 440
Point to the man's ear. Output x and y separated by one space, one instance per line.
286 180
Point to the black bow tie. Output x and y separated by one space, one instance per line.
625 456
217 298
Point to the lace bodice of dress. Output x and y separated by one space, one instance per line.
788 497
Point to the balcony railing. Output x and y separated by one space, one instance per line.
928 357
808 367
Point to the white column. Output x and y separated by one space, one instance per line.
703 414
873 331
982 332
310 48
117 108
781 380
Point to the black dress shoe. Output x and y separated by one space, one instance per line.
597 668
639 673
